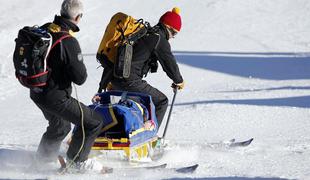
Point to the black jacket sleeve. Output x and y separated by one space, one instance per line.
167 60
75 68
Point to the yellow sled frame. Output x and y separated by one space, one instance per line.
138 151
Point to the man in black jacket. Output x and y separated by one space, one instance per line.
55 101
147 51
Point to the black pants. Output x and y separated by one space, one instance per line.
60 115
159 99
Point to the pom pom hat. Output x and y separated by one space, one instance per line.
172 19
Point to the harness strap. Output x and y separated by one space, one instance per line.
60 39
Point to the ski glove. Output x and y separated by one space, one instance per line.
96 98
179 86
109 86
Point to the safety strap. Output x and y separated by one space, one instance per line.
124 96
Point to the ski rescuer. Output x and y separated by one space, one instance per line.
55 101
147 51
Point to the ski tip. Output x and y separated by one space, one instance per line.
248 142
241 143
195 166
188 169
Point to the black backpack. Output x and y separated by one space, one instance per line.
32 49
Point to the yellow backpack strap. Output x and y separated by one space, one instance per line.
72 33
54 28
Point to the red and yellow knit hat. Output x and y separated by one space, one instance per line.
172 19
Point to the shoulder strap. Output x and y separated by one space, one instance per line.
56 29
60 39
57 42
155 30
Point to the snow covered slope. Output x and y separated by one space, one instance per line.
246 67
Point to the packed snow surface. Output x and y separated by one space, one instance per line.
246 65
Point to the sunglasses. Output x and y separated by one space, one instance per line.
173 32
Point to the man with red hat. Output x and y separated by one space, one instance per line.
150 49
172 20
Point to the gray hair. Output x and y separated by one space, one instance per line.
71 8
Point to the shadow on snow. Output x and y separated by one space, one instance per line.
269 89
271 66
299 101
229 178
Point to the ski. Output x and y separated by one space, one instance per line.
156 166
229 144
160 166
159 151
233 143
163 167
186 169
107 170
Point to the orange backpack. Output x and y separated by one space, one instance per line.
116 44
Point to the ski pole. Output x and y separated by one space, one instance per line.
175 89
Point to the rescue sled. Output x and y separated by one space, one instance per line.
131 124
